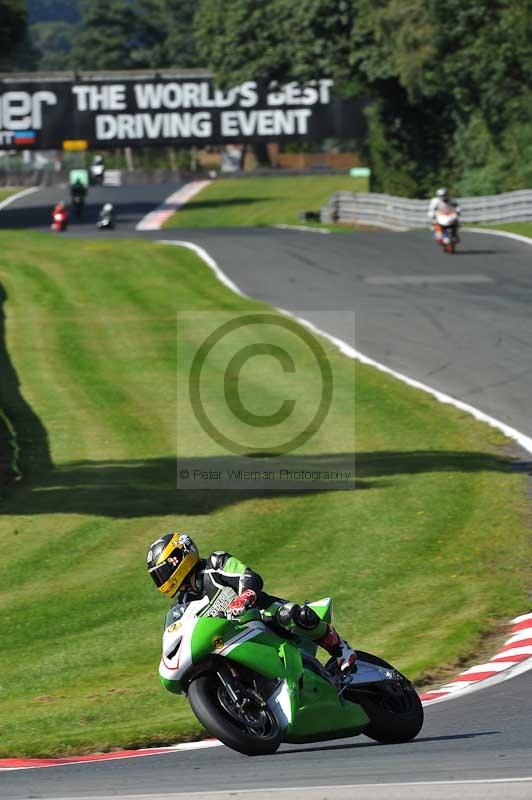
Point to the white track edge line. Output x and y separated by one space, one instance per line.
323 787
512 433
304 228
211 263
18 195
506 234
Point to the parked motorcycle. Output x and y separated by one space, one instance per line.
254 686
445 229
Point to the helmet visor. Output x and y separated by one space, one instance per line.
162 572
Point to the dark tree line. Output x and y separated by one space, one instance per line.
113 34
449 84
13 30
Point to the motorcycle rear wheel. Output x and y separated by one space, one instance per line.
204 698
395 716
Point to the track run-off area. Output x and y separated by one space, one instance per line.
460 325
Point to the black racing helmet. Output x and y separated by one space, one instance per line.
170 560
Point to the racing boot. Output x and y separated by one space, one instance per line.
338 648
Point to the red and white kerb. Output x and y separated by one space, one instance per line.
514 650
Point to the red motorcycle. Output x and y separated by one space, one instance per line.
59 218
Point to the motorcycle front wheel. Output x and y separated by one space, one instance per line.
247 727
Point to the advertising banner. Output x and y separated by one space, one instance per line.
105 112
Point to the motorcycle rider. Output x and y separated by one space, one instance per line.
78 193
97 170
106 216
443 202
60 210
177 570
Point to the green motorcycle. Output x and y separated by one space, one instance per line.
254 685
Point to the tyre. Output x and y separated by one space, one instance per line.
256 732
395 710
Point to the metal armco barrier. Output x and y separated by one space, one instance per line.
399 213
112 177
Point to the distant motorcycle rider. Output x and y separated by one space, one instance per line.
106 216
178 571
78 189
59 216
443 202
78 193
97 170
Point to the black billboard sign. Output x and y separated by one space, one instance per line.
116 112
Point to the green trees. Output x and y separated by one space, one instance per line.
106 39
13 30
449 84
136 34
117 34
52 28
243 39
165 31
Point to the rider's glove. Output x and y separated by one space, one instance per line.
241 603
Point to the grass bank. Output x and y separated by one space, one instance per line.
522 228
7 191
426 555
261 201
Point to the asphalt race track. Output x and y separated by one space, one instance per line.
131 203
485 735
460 324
